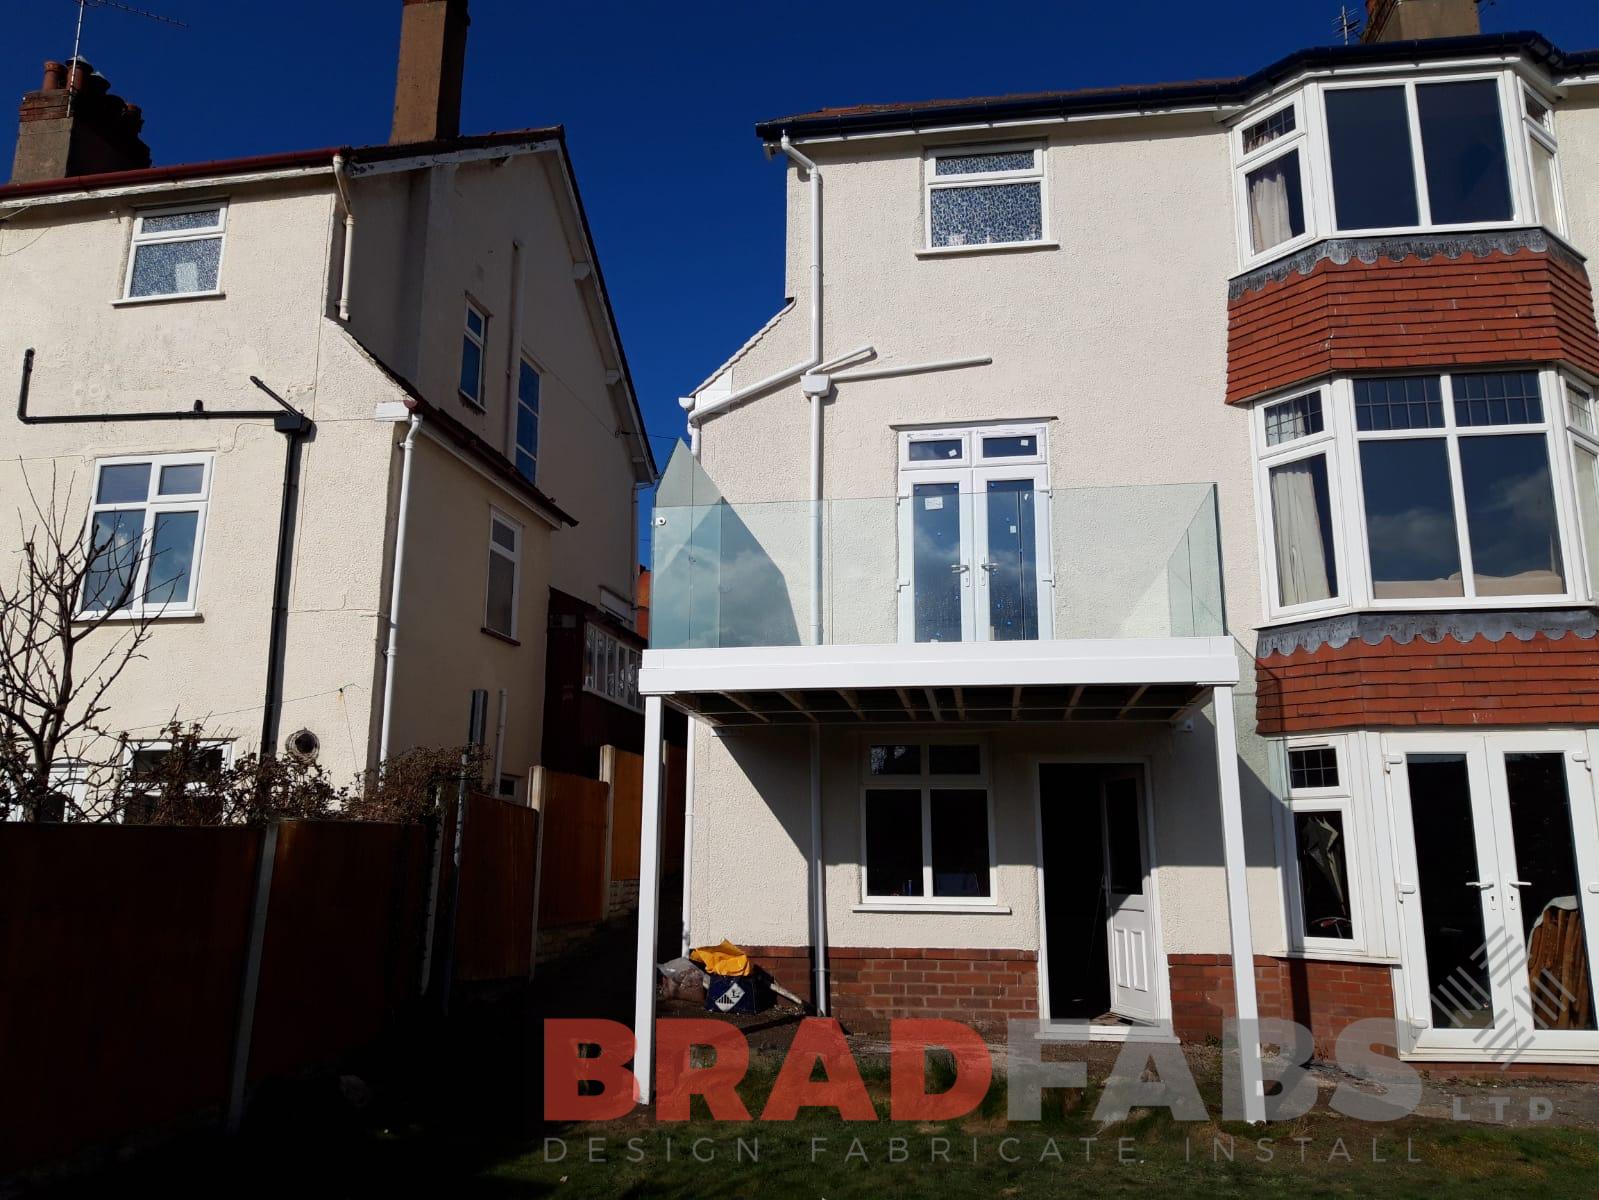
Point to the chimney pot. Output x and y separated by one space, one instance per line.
55 76
73 125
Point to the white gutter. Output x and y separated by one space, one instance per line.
349 237
165 185
406 449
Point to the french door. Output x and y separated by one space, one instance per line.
1498 881
1128 916
975 555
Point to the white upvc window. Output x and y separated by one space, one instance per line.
1582 429
504 576
992 196
1323 863
1449 150
176 252
1538 121
927 824
146 529
610 668
974 530
474 350
1271 152
1421 490
525 454
144 762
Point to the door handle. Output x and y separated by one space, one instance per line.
988 566
1519 883
957 567
1480 885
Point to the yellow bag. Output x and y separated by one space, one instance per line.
726 959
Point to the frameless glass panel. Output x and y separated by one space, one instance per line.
1289 420
502 575
1279 124
1009 446
1312 767
1498 398
184 479
171 558
471 368
1463 145
934 450
1551 903
893 842
1124 856
895 760
972 164
1543 183
200 218
1405 402
1368 135
954 760
1276 202
123 483
936 561
991 214
1301 511
1510 516
1012 564
960 841
1410 519
1323 874
172 268
1588 502
1458 980
114 547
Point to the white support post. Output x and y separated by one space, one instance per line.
649 887
1243 940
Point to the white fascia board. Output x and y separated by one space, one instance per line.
1206 661
165 185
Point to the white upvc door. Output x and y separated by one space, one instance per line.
1128 907
1498 881
975 555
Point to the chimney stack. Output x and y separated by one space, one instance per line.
73 125
1412 20
427 86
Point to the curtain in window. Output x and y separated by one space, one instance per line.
1301 553
1271 213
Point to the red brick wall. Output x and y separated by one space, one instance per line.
1323 996
871 985
1544 681
1529 306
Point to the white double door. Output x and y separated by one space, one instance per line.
975 555
1498 879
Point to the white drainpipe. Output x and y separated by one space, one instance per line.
513 351
407 451
349 238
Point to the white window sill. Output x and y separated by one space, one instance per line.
933 906
1317 954
125 618
127 301
1426 604
986 248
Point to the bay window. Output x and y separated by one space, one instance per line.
1428 490
1391 156
927 825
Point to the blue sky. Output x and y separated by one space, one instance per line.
659 101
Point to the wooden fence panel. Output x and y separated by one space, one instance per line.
573 888
122 955
494 926
627 811
343 944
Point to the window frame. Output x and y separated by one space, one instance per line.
609 667
1542 132
514 555
1340 799
932 182
1347 494
152 506
1309 99
536 408
1581 438
137 237
926 782
481 341
132 746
